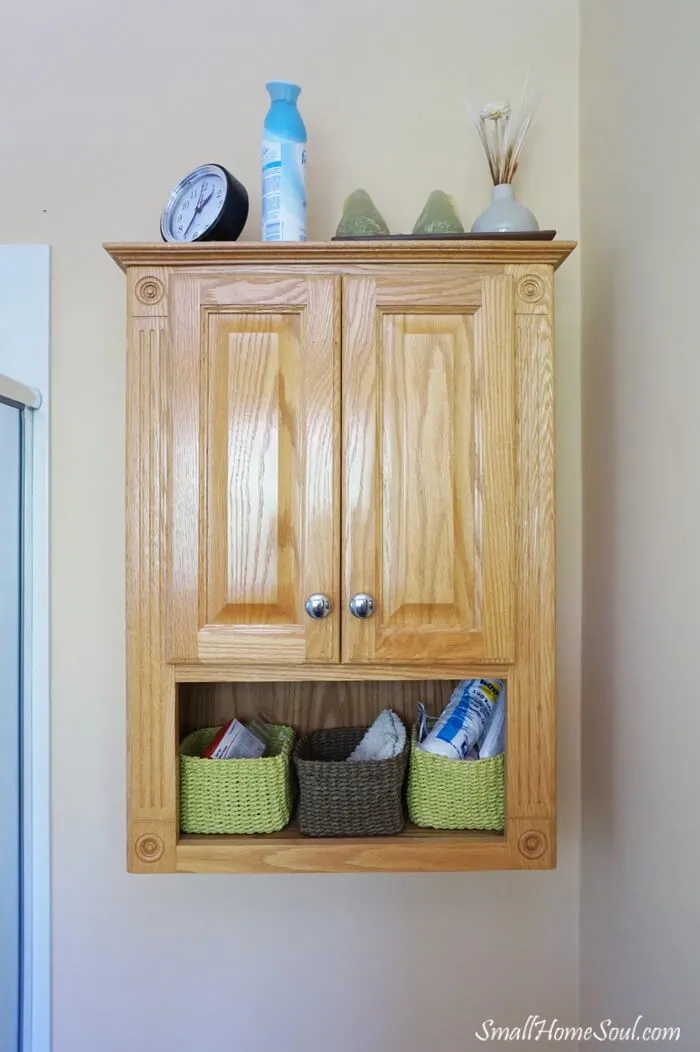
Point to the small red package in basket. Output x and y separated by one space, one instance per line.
235 742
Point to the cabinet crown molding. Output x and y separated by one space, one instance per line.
339 253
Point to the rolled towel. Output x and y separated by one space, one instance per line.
384 739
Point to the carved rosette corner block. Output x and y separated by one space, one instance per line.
149 291
532 844
531 289
149 848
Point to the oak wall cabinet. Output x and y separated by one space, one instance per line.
317 432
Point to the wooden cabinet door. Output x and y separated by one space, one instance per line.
253 511
428 464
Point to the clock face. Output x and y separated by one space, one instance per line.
195 205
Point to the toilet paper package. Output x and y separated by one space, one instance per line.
462 722
493 737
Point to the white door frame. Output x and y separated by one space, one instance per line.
25 291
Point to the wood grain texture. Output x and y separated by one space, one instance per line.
426 398
151 710
428 433
186 534
283 289
307 706
320 431
333 673
531 781
254 642
494 408
255 473
418 851
425 289
255 479
339 253
361 545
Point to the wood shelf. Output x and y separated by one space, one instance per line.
413 850
336 673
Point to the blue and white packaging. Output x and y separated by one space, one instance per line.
463 720
493 738
283 166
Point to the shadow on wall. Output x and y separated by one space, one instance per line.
600 672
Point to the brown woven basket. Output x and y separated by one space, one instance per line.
347 799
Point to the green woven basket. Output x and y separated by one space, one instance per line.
235 796
455 794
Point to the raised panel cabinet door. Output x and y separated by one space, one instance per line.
253 486
428 465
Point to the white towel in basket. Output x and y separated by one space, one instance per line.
384 739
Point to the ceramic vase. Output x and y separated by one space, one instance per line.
504 214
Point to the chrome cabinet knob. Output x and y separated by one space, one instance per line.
318 606
362 605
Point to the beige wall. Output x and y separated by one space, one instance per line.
104 106
640 154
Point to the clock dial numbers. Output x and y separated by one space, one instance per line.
195 205
207 204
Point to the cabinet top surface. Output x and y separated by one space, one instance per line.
338 253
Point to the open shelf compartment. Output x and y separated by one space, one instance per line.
308 705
